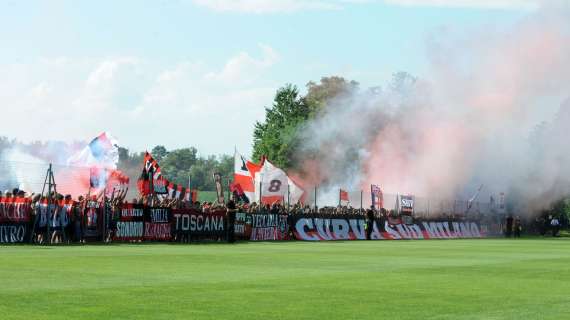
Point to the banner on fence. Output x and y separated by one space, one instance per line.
319 228
199 225
269 227
15 214
157 224
406 204
138 222
242 226
130 223
14 210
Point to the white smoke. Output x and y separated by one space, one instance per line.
22 170
24 166
475 120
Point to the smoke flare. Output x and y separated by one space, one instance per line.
492 111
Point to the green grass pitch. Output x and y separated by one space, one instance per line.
436 279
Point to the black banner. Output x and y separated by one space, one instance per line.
157 224
269 227
242 226
199 225
13 232
130 223
15 215
14 210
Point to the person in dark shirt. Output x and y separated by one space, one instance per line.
369 223
546 227
509 226
78 209
517 227
231 218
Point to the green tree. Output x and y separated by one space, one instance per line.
159 152
176 165
201 175
202 172
402 82
277 137
181 164
319 94
225 166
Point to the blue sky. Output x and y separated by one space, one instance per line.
199 72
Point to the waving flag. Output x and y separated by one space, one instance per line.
101 152
296 193
238 193
151 172
98 178
502 202
117 182
272 185
160 185
343 197
101 157
254 170
377 196
473 198
242 177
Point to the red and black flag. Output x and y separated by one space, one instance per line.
143 184
238 193
343 198
151 181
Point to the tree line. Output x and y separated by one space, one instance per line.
181 166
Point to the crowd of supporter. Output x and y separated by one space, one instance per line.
75 213
64 216
119 198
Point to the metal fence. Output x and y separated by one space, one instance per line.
423 206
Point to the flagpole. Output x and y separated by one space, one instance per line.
84 207
151 187
372 197
339 196
228 190
49 213
315 197
397 204
191 200
153 193
288 197
104 236
361 192
260 191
